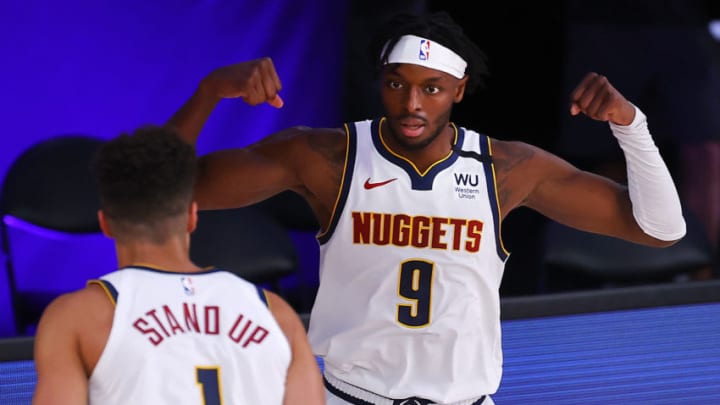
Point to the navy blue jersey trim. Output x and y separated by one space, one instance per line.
483 157
342 394
108 287
357 401
159 270
492 195
346 180
473 155
263 297
418 181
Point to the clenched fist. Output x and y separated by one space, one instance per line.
599 100
255 81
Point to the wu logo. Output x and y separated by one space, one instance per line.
464 179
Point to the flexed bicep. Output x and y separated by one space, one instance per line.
585 201
531 177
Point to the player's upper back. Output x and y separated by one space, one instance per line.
194 338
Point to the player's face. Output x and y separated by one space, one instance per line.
418 102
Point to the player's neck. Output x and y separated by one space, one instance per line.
438 148
173 255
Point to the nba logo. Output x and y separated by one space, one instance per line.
424 50
187 285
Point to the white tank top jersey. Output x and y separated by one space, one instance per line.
189 338
410 271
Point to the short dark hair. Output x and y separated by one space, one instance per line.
146 176
440 27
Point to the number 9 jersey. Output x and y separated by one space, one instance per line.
410 271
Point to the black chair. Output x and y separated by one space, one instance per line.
245 241
291 211
574 259
51 238
295 215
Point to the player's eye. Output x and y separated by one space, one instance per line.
432 89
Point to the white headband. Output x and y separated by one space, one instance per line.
423 52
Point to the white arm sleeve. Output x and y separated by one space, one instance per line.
655 200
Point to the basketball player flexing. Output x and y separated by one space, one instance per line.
411 206
161 330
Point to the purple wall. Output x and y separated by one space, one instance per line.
101 68
105 67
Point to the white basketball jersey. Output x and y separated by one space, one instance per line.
189 338
410 271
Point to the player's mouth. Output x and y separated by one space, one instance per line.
411 128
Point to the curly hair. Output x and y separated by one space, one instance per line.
439 27
145 177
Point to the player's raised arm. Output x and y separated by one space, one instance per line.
655 200
241 176
254 81
648 211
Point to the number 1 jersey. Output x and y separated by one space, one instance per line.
189 338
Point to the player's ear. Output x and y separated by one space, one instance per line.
460 89
104 227
192 217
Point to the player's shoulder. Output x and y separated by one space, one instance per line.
520 161
303 145
301 138
514 150
519 164
276 303
284 314
88 300
303 131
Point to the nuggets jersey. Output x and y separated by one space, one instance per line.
410 271
189 338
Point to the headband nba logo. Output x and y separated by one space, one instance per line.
424 49
406 51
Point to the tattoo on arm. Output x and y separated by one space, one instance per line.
332 149
512 155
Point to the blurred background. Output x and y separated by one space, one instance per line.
99 68
583 316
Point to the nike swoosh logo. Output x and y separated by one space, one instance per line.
368 185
